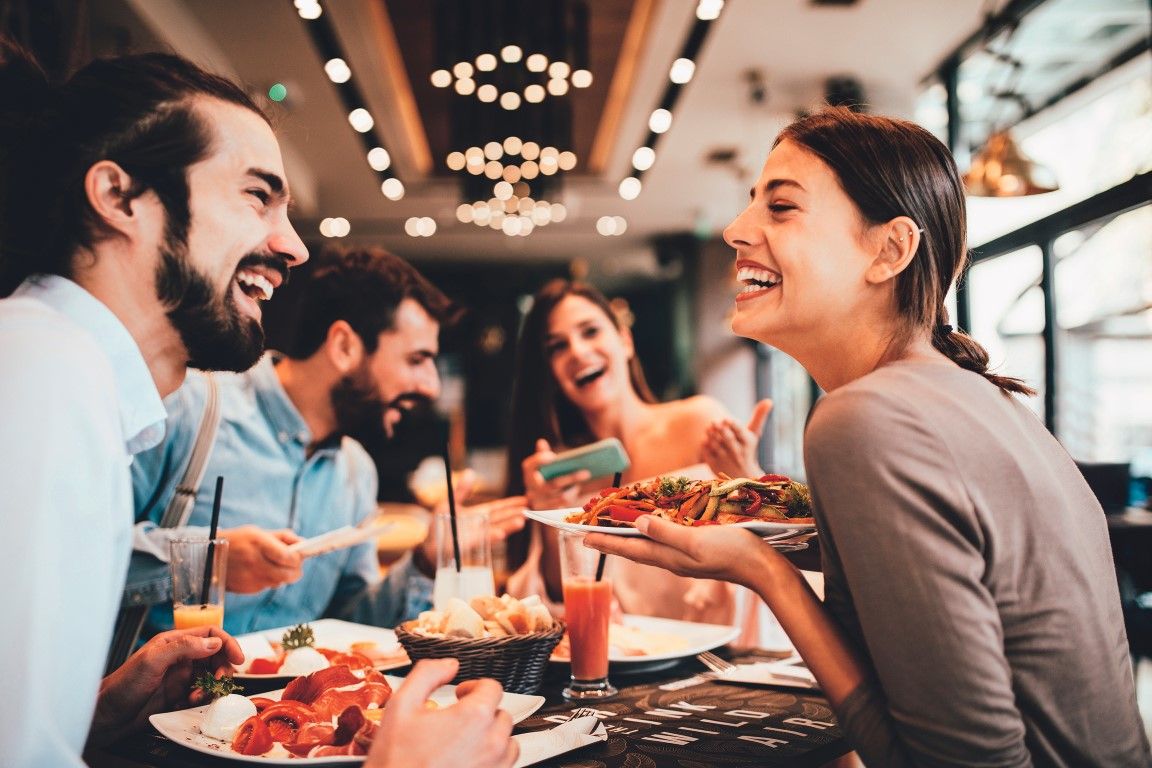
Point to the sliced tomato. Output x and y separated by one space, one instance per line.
252 737
775 479
625 514
264 666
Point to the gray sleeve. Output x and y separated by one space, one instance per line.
910 552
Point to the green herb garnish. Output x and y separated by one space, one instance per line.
300 636
670 486
798 500
216 687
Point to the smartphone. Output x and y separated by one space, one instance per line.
601 458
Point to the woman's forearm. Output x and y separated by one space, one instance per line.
817 637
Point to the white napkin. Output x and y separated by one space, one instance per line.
541 745
784 673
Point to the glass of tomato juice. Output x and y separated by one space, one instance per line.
587 605
197 593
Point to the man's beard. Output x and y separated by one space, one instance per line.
217 336
358 408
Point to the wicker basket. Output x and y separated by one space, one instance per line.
517 661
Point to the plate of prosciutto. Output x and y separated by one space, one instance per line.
329 716
287 652
770 504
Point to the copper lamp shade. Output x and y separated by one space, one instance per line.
1000 169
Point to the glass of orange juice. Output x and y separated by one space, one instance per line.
198 594
587 605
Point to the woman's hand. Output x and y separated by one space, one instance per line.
724 552
562 491
731 449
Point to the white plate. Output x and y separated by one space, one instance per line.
555 518
336 635
183 727
698 637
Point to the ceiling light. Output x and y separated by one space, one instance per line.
606 226
1000 169
682 71
463 70
581 78
567 161
361 120
557 87
502 190
559 212
510 100
630 188
643 158
486 62
493 150
511 53
337 70
392 188
620 224
512 173
529 169
660 121
326 227
493 169
340 227
379 159
410 227
511 225
537 62
541 214
466 86
709 10
526 226
465 213
456 161
441 78
530 150
559 69
487 93
534 94
512 145
426 226
308 9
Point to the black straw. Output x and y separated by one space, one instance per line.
451 495
212 539
603 557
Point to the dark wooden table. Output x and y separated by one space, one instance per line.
651 724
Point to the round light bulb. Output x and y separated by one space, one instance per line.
511 53
620 224
530 150
567 161
493 150
529 169
441 78
326 227
709 10
393 189
502 190
379 159
630 188
361 120
411 227
466 87
537 62
559 69
465 213
559 212
604 225
486 62
463 69
557 87
493 169
643 158
512 173
535 93
340 226
581 78
426 226
456 161
337 70
660 121
682 71
487 93
510 100
512 145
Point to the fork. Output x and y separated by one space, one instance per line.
718 665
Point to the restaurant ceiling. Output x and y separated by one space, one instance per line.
762 61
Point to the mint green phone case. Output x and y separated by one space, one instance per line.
601 458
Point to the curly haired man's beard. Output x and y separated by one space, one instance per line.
217 335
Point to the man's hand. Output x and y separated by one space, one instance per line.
731 449
158 678
260 559
473 732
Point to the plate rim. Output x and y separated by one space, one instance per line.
171 726
401 661
728 633
551 518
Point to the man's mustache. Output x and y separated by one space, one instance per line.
409 401
269 260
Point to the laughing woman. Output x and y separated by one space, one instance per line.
578 380
972 614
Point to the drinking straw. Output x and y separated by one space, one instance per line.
603 557
451 495
212 539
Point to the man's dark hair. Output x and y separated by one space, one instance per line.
136 111
363 287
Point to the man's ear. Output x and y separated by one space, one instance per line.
897 242
343 347
107 186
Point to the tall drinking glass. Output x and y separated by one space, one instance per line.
474 577
587 605
196 602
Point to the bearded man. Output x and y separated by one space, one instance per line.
364 351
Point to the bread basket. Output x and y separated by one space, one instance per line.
517 661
